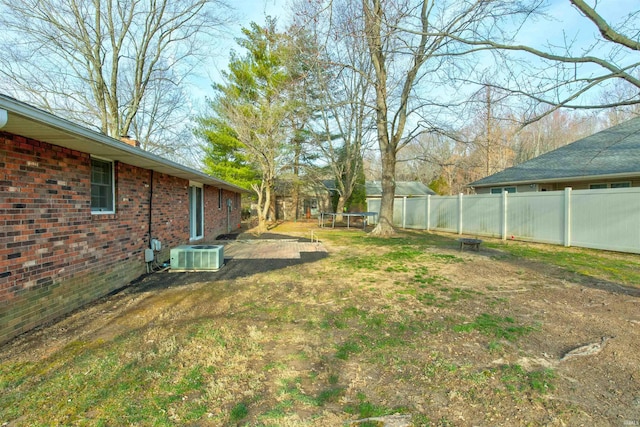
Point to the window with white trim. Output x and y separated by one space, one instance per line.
500 190
621 184
624 184
102 186
196 212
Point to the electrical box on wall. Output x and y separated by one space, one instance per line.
148 255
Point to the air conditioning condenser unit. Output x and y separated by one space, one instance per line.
197 258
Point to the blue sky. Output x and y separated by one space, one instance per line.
564 22
246 12
256 10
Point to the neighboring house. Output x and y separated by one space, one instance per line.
78 209
403 189
607 159
311 199
373 190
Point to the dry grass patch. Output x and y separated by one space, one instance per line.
406 326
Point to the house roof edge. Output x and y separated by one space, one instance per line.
32 122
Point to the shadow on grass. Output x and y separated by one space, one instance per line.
233 269
576 278
497 251
262 236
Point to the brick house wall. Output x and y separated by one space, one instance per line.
55 255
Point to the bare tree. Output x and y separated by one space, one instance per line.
412 44
619 113
344 128
432 158
114 65
261 132
490 131
566 72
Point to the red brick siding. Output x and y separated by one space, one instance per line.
216 218
55 255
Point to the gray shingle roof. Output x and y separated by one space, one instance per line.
403 188
614 151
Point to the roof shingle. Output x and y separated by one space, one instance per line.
613 151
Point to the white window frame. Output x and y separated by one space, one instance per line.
603 185
196 208
598 186
621 184
503 189
104 210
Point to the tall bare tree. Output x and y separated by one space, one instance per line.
344 126
566 72
554 130
412 44
114 65
490 131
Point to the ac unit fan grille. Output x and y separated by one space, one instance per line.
197 257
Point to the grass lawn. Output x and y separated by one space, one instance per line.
405 325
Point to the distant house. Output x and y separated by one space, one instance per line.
78 209
311 199
373 189
403 189
607 159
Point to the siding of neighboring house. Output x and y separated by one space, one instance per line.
558 186
525 188
55 255
584 185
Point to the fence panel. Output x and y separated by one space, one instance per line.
373 205
397 212
536 216
601 219
606 219
444 214
416 216
482 215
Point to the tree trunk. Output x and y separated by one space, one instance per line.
385 218
264 197
340 207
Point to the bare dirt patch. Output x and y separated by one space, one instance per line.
407 329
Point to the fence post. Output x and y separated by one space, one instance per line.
404 212
460 213
428 215
505 198
567 216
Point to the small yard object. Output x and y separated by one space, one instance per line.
385 421
470 243
586 350
364 215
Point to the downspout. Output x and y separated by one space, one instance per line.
150 208
151 248
4 117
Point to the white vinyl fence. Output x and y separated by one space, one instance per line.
601 219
